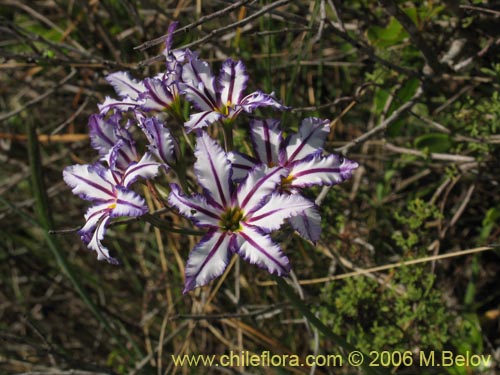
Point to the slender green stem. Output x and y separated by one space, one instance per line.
180 170
227 128
324 329
159 223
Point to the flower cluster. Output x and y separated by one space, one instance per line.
241 198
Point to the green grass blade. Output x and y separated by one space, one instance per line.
45 221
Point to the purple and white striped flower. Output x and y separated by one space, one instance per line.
152 94
162 143
113 141
301 155
159 93
111 193
219 99
238 219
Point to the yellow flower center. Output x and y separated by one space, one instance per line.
286 182
226 107
230 220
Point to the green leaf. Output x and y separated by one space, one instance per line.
403 95
433 142
387 36
379 100
491 219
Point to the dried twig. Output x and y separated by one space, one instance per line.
186 28
366 271
383 125
363 138
481 9
8 115
433 155
223 29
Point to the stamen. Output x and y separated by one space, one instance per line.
230 220
286 182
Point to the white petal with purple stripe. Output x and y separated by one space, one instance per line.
266 139
207 260
278 208
258 99
128 203
161 142
122 105
158 95
307 223
242 164
90 182
258 185
195 207
124 85
309 140
198 84
258 248
102 134
213 169
321 170
94 230
202 119
233 80
145 168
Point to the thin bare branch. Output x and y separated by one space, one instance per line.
191 26
8 115
366 271
222 30
383 125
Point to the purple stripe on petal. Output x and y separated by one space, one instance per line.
280 268
170 35
264 215
97 213
137 167
317 170
215 175
269 156
208 260
218 182
200 99
259 183
213 169
156 89
232 78
321 170
125 85
201 119
278 207
308 223
189 203
242 166
127 203
98 136
94 185
307 141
